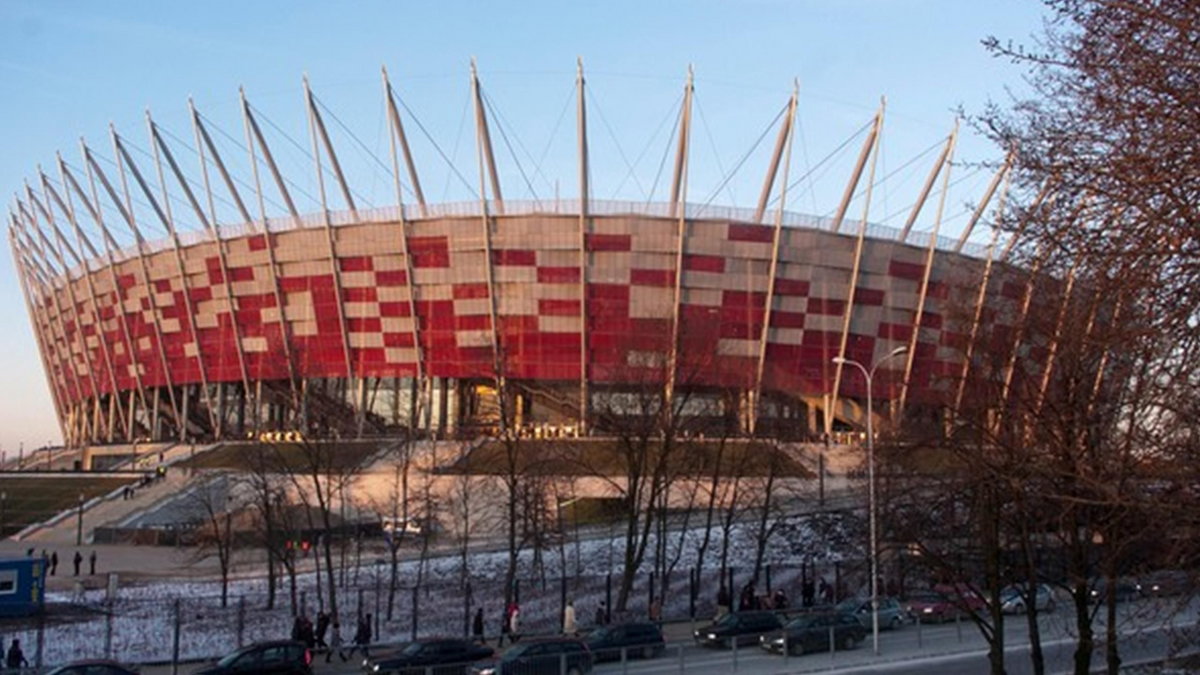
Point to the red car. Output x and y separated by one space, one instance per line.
944 603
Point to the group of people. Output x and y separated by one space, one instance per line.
749 599
510 625
51 561
314 637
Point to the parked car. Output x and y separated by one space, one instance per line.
891 614
434 656
93 667
1015 599
938 605
1162 583
810 633
279 657
643 639
1125 590
744 628
540 657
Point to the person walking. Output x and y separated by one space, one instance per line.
53 563
601 614
362 636
15 657
92 563
477 627
78 561
514 624
335 643
505 626
322 629
570 629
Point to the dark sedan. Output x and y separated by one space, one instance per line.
280 657
93 667
742 628
816 633
643 640
435 656
546 656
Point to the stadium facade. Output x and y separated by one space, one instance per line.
366 321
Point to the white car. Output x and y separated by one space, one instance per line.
1014 599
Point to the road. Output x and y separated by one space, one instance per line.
1148 630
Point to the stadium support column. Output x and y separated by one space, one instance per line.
43 347
1001 174
398 140
930 250
160 148
110 246
981 296
679 209
584 196
871 147
68 208
124 159
57 249
23 261
784 141
941 163
316 128
483 151
45 274
254 134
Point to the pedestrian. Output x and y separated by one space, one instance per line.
53 563
654 613
307 636
723 601
505 626
825 592
780 600
808 592
78 562
514 623
92 563
335 643
362 636
477 627
298 628
322 629
601 615
15 657
569 627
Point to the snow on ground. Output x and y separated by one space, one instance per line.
141 619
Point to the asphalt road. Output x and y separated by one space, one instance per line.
1148 630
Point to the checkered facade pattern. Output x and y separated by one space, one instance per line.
542 299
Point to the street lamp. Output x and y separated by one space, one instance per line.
3 512
869 375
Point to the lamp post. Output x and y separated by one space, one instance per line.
79 523
872 514
3 512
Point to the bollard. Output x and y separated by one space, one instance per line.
108 634
958 624
416 591
832 644
787 649
734 642
920 643
682 664
562 663
175 639
625 660
241 621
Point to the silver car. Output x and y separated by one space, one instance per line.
891 614
1014 599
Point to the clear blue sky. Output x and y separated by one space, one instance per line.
69 68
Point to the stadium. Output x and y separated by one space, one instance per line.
467 319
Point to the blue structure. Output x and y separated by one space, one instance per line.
22 586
